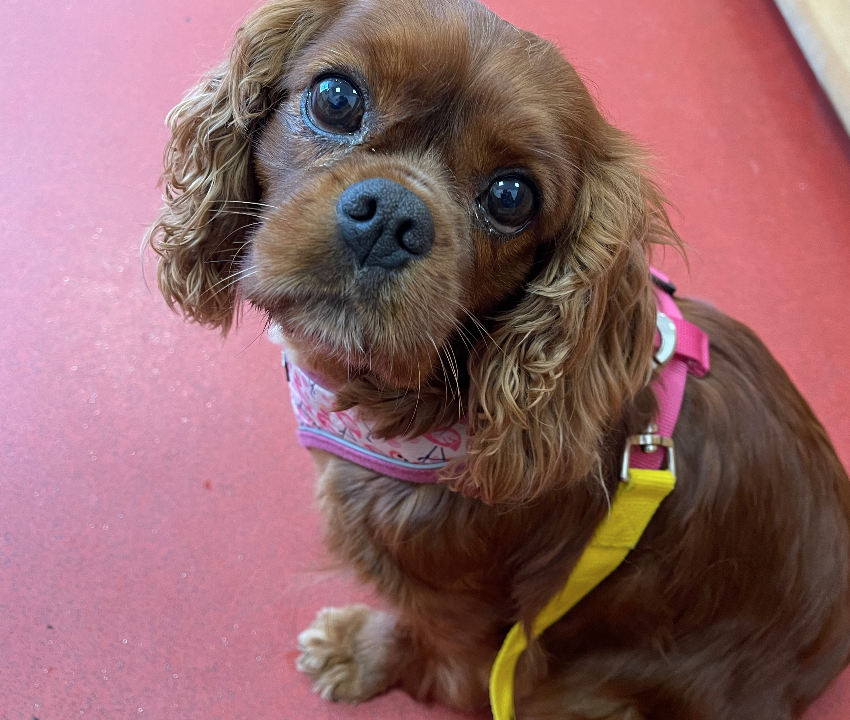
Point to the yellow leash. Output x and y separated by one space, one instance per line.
638 496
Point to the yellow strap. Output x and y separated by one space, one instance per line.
634 504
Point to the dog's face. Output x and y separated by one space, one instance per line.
423 156
408 184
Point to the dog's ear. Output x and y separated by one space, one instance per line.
210 196
578 345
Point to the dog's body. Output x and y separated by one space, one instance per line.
532 314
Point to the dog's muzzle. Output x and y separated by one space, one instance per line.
384 224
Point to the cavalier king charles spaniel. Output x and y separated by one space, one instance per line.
425 202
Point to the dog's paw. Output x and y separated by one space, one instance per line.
349 652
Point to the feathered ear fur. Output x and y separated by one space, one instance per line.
209 186
577 347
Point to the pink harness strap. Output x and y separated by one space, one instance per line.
348 435
691 355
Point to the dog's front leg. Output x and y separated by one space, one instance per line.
356 652
437 643
353 653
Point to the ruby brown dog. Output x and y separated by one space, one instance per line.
453 244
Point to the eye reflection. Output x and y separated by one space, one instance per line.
510 203
335 105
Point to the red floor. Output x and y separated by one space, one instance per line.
159 548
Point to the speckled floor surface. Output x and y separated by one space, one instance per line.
159 545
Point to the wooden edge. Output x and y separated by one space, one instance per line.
822 30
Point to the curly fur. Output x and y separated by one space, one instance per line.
736 602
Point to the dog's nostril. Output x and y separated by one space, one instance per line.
410 237
403 229
363 210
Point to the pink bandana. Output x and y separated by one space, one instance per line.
348 435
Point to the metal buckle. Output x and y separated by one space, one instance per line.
667 331
649 441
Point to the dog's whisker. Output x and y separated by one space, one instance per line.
240 213
484 330
418 397
442 367
213 260
245 202
229 280
452 362
237 279
457 380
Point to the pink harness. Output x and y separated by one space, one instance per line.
682 348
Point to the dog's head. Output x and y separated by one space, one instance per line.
395 181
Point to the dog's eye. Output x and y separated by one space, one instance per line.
509 203
335 105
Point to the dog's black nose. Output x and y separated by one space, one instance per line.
384 224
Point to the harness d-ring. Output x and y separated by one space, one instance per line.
667 331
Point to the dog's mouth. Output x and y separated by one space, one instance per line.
336 340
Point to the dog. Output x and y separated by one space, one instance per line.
426 204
